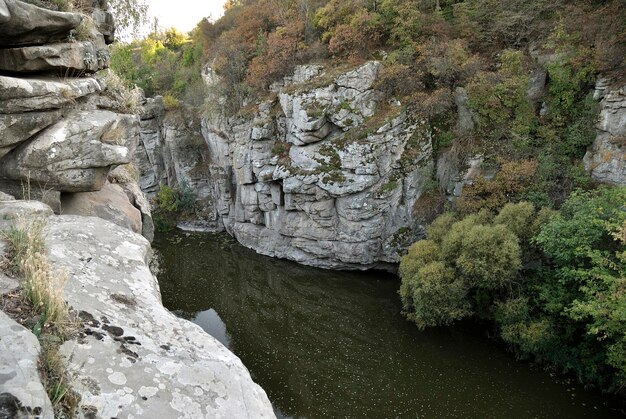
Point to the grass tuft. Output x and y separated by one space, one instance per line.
42 286
65 401
42 289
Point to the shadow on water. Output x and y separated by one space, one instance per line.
327 344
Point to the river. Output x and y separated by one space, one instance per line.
328 344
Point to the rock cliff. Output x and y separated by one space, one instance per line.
325 175
62 131
606 160
171 151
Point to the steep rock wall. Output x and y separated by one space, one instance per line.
324 173
171 151
606 159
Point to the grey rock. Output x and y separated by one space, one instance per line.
537 85
7 284
35 191
362 78
109 203
12 211
43 93
140 201
465 122
17 128
75 154
601 86
68 58
606 158
104 22
27 24
6 197
146 362
21 391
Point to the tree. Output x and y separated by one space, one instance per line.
445 277
490 256
129 13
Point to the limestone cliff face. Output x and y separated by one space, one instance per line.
61 129
606 160
171 151
325 173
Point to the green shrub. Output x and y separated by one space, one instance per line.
438 296
489 257
440 227
173 205
517 218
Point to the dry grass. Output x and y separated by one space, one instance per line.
41 285
65 401
42 295
125 100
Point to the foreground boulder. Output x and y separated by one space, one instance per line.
133 357
76 154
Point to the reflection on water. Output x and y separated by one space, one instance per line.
329 344
211 322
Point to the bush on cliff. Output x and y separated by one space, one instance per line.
172 205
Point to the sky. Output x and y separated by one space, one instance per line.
184 15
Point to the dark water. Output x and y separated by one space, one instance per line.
333 344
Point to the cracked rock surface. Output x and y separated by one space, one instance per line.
606 160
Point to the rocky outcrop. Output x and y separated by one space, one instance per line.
606 160
325 175
76 153
172 151
27 24
76 56
129 356
60 131
136 358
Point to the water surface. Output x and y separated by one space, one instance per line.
327 344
